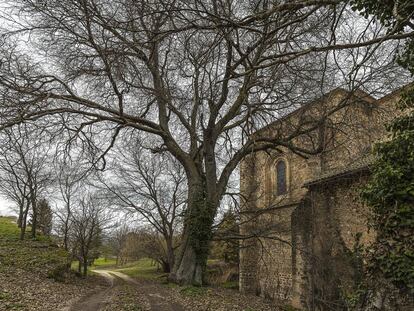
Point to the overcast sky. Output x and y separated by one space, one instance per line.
5 207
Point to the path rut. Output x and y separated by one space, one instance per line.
154 293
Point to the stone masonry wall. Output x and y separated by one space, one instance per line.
298 240
339 226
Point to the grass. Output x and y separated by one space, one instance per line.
230 285
8 228
289 308
38 255
100 263
104 263
193 291
143 268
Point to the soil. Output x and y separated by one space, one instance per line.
135 294
117 281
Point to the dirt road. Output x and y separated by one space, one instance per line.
154 294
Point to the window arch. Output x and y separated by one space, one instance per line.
277 178
281 180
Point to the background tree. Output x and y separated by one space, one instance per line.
225 245
68 181
118 240
88 221
24 171
153 188
202 76
44 216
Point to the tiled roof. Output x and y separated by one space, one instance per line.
359 165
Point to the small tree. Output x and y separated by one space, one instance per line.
117 242
88 222
44 217
153 187
68 183
24 173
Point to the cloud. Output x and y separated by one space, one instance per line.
5 207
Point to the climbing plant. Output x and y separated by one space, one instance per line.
390 192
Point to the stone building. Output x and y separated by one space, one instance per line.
301 211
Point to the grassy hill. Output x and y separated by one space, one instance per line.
29 270
41 255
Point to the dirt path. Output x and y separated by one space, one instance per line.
97 299
155 295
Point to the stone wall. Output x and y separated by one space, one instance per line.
338 228
299 244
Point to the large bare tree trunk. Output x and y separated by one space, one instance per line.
191 260
170 253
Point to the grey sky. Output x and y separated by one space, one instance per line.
5 207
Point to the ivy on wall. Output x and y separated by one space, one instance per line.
390 192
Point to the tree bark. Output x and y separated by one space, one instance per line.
170 254
85 267
191 260
21 213
24 221
34 222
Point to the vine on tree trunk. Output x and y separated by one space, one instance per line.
200 220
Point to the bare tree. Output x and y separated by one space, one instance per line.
44 216
24 171
89 219
201 75
68 181
118 239
150 186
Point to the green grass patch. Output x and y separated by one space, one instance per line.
143 268
230 285
172 285
289 308
4 296
193 291
15 306
8 228
99 263
38 255
104 263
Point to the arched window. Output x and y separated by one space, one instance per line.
281 187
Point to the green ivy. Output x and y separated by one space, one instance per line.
390 194
383 10
199 221
397 16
